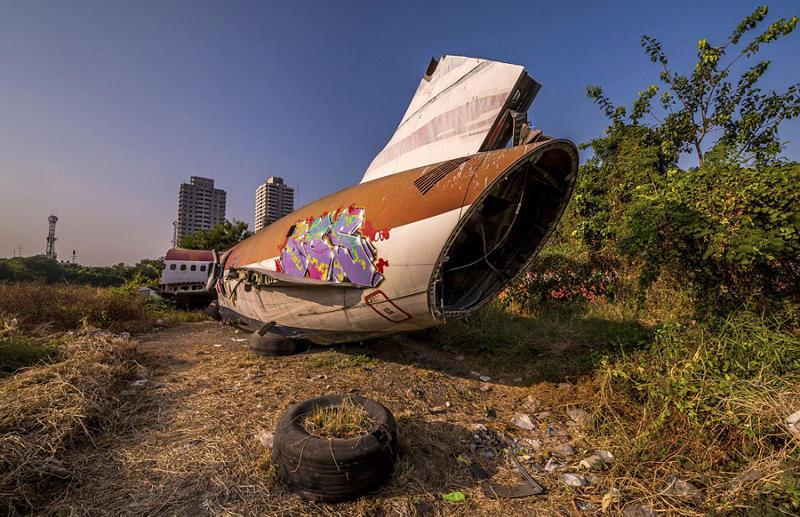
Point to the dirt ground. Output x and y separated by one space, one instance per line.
186 442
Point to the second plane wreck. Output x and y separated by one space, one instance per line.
458 203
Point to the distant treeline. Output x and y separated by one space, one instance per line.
42 269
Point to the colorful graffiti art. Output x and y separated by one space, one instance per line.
333 248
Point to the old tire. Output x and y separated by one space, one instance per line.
212 311
334 470
272 344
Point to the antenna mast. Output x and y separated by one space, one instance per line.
51 238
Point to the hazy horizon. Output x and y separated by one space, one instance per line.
106 107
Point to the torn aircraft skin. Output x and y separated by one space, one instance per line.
445 217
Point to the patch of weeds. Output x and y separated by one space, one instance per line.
348 420
360 360
19 351
321 361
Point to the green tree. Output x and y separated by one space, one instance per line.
705 103
221 237
729 227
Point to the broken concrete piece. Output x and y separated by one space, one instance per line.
580 417
574 480
523 422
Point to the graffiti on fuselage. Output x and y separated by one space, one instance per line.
332 248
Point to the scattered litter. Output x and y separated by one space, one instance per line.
531 443
266 438
518 379
239 339
543 415
751 475
680 489
586 506
217 346
125 335
485 378
160 323
606 456
565 449
523 422
574 480
438 409
612 496
638 510
592 462
138 383
474 373
485 388
793 421
454 497
552 465
580 417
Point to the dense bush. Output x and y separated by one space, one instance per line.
557 278
42 269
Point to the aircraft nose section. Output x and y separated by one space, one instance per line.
504 229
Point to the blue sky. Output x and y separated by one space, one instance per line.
106 106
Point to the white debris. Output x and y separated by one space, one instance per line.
680 489
580 417
591 462
138 383
565 449
125 335
485 378
523 422
266 438
612 496
574 480
606 456
552 465
793 421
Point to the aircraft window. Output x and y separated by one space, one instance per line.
183 267
172 267
193 268
203 267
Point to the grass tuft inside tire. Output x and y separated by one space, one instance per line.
323 467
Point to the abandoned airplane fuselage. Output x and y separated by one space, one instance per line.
408 250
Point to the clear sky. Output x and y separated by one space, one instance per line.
107 106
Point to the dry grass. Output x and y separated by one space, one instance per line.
47 409
348 420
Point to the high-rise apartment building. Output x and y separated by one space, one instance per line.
200 206
274 199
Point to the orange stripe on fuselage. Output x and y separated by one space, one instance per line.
389 202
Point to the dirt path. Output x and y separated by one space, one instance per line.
186 440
